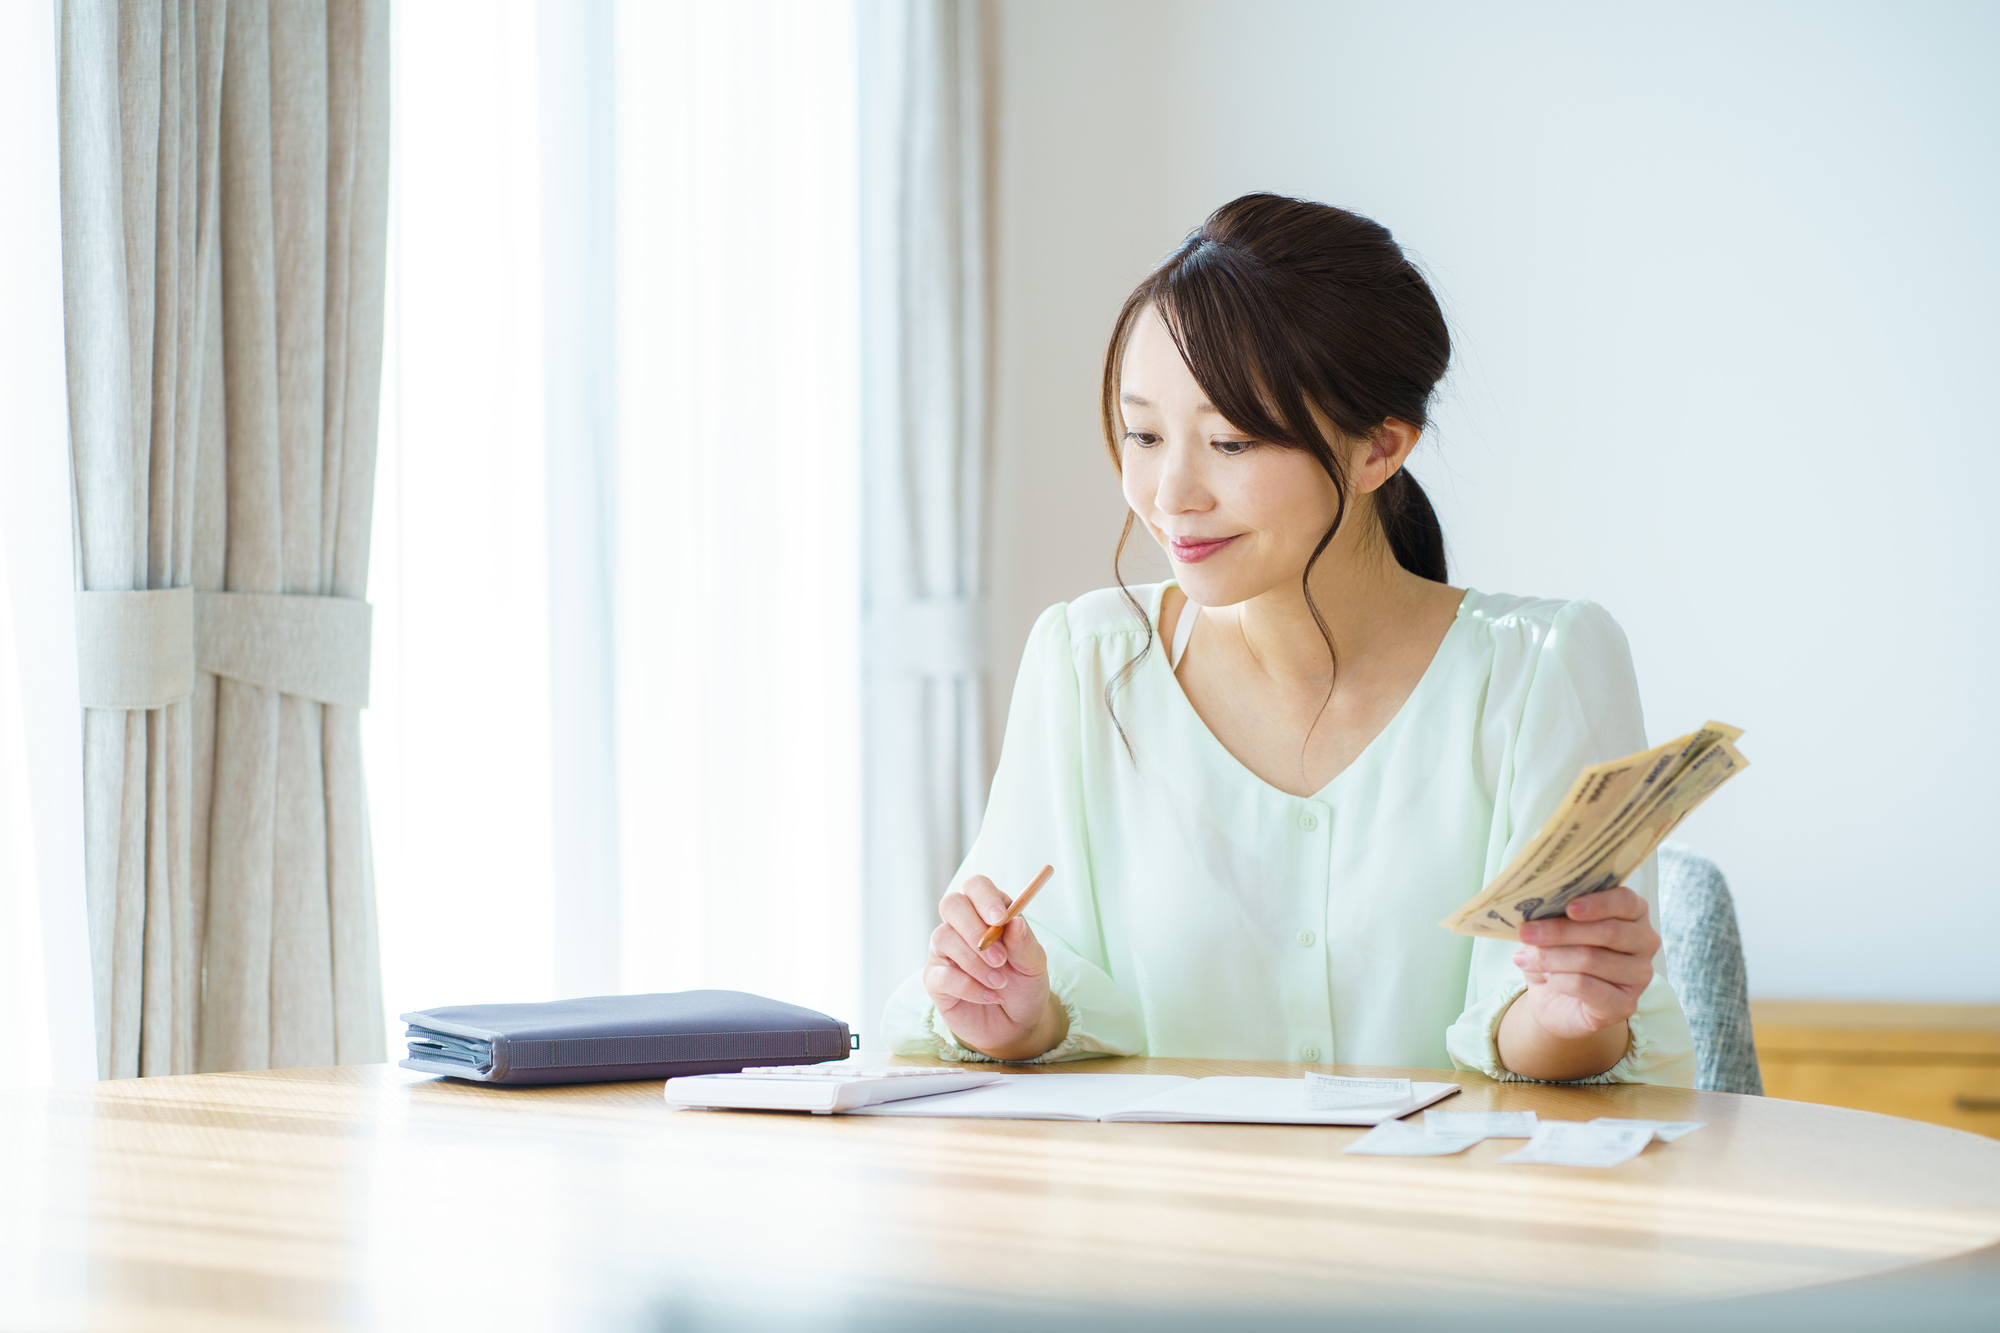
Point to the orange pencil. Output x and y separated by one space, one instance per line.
1027 896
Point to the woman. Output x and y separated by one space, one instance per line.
1264 783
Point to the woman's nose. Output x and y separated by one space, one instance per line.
1181 489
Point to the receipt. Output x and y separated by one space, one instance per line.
1574 1143
1666 1131
1330 1092
1482 1124
1399 1138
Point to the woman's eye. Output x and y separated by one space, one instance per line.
1141 438
1234 447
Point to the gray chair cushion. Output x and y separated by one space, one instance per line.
1704 958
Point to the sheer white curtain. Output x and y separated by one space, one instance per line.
924 320
24 997
614 741
738 508
46 1000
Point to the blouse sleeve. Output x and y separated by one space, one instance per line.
1034 817
1581 707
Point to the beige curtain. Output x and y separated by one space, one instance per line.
225 172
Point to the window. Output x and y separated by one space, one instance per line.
614 739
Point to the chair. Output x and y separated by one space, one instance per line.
1704 959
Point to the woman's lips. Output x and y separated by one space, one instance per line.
1194 550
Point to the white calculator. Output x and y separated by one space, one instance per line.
821 1089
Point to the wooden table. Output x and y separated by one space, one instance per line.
367 1197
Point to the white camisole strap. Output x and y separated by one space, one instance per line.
1183 631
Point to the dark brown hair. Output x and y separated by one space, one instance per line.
1281 307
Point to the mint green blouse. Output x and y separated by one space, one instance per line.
1198 911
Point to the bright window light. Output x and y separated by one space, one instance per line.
733 509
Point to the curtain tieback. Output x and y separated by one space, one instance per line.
937 636
142 649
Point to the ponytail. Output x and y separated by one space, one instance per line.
1411 526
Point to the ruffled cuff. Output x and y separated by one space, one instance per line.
1101 1022
1660 1049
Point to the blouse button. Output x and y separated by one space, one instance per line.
1309 1054
1306 938
1308 821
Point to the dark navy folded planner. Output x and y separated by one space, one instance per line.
609 1037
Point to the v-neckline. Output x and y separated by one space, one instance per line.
1201 723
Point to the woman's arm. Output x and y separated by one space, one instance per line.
1578 998
1042 992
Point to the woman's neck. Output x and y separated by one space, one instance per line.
1366 599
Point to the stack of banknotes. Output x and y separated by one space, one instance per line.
1613 818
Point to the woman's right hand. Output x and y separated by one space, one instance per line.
996 1002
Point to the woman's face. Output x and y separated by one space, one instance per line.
1237 517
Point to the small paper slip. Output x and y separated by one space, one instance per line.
1399 1138
1666 1131
1482 1124
1331 1092
1575 1143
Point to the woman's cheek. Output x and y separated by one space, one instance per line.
1136 475
1288 496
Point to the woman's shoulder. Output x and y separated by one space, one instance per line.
1539 624
1554 659
1103 613
1550 647
1083 643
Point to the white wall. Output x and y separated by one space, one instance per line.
1722 280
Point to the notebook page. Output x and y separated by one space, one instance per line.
1269 1101
1037 1097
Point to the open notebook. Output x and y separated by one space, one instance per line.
1157 1097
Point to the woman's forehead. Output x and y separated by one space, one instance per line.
1153 373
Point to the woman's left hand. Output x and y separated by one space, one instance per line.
1585 971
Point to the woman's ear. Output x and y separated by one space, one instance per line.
1385 453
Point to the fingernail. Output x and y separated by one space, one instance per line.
992 914
995 956
996 979
1520 958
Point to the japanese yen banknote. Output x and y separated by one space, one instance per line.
1612 819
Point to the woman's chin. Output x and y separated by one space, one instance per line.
1204 588
1227 580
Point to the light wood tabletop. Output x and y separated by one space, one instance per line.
369 1197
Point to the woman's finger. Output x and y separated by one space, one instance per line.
960 915
948 944
1621 969
1601 997
944 980
1607 934
987 900
1633 937
1024 952
1620 902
